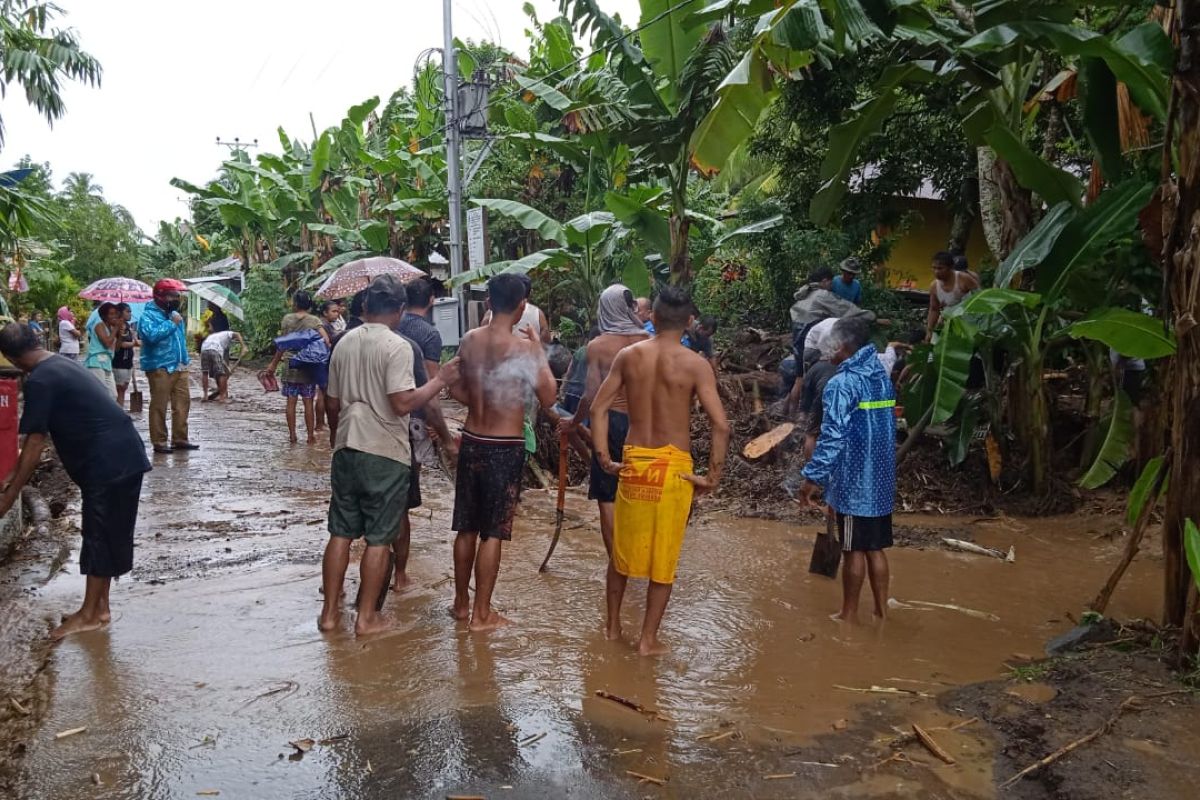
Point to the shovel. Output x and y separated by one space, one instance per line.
135 397
827 550
563 456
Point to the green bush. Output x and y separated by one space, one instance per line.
265 303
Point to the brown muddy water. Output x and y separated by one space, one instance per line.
213 663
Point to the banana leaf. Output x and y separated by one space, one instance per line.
742 98
634 210
952 361
527 217
1191 543
1115 450
1140 493
960 443
1036 245
983 125
1128 332
1098 97
542 258
1114 214
668 37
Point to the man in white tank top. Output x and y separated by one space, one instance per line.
949 288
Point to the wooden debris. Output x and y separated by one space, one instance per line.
717 736
303 745
1100 604
631 705
537 737
964 723
779 776
969 612
96 779
341 737
1128 703
980 550
931 744
627 752
765 444
646 778
70 732
22 710
208 793
894 758
465 797
882 690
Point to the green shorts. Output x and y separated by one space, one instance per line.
369 497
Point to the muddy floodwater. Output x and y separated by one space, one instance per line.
213 663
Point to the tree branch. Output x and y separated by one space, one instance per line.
964 15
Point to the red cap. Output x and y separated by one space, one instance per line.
169 285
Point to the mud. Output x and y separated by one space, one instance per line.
213 663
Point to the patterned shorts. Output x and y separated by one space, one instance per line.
305 390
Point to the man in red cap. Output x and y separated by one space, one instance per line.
165 362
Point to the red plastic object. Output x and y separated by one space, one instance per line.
8 426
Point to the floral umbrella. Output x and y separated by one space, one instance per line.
118 290
355 276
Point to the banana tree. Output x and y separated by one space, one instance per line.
1029 327
994 53
652 96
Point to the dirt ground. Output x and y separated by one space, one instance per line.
213 664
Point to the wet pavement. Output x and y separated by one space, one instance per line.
213 663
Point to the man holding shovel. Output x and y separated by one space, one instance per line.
855 462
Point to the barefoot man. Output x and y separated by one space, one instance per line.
659 379
501 372
99 449
855 462
371 393
619 328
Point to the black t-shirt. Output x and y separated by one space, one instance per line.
123 357
814 384
94 437
218 322
426 336
420 374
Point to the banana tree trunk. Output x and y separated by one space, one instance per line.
1181 215
1016 208
989 201
1030 420
681 262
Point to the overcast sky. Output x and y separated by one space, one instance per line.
179 74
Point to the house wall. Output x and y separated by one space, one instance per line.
910 256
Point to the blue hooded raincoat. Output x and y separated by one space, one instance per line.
855 458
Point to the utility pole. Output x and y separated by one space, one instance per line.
453 163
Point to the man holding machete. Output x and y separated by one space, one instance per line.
855 462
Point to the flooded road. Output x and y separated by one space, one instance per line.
213 663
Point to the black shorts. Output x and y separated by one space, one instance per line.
864 533
414 486
602 486
109 518
488 485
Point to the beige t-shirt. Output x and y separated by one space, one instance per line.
369 363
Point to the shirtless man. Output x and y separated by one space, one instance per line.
500 372
619 328
660 378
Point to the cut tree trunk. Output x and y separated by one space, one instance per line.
681 262
1016 209
1181 251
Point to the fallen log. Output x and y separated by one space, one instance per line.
767 443
931 744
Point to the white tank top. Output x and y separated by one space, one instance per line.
532 318
952 297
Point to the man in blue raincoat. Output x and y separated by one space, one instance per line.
855 462
165 362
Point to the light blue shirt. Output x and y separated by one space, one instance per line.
851 291
98 355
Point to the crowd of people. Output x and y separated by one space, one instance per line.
372 373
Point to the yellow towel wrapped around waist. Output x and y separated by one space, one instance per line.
653 506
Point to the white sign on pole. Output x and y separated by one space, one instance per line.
476 237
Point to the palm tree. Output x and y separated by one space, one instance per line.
81 186
38 58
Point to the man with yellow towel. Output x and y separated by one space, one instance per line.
659 378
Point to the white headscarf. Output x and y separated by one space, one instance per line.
617 313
